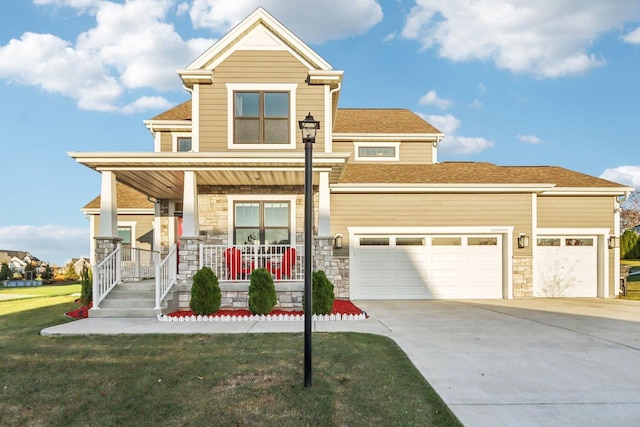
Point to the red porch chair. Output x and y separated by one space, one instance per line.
285 265
235 267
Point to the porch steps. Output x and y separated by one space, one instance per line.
129 299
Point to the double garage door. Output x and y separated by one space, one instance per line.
427 267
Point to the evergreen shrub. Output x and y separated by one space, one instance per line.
262 292
86 290
322 295
205 292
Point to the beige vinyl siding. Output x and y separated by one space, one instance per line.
410 152
256 67
575 212
430 210
166 141
144 224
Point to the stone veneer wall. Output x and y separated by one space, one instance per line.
105 246
336 269
523 277
188 258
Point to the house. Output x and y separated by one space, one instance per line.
390 220
18 260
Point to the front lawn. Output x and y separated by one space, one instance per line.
221 380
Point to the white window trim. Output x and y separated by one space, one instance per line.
174 141
274 87
132 225
394 145
232 198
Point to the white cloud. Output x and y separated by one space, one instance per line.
389 37
547 38
432 98
131 47
53 243
477 104
325 20
625 175
633 37
453 143
147 103
530 139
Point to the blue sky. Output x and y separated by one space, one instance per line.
551 82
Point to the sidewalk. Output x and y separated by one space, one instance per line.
102 326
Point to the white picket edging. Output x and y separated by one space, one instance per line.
261 318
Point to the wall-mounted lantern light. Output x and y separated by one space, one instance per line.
614 242
523 241
338 241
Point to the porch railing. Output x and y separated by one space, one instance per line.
138 263
106 275
235 263
166 275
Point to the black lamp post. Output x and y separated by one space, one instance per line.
309 127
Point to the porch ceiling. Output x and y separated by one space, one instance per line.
160 175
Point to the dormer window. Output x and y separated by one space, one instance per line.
261 116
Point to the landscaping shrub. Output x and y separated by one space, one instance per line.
630 245
205 292
322 296
262 292
86 290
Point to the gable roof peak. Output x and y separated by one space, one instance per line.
228 43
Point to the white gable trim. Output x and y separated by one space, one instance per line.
260 17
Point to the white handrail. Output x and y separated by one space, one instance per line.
166 275
106 276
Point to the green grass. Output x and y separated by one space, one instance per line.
39 291
217 380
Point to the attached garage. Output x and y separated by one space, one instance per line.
427 266
566 266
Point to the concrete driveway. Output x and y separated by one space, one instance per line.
543 362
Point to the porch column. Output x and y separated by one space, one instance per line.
324 206
189 252
108 206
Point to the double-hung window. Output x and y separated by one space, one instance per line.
261 117
265 222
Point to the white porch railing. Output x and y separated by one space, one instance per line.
138 263
106 275
166 275
235 263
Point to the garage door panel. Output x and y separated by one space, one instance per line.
565 270
441 270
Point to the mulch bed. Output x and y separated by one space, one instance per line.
339 307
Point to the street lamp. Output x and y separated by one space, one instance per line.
309 127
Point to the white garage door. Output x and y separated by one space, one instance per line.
566 267
426 267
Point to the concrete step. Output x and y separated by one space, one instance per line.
120 294
124 312
128 303
143 285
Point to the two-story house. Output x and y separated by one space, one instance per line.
390 220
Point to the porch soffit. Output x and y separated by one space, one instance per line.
161 175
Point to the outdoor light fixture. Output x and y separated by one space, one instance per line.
614 242
523 241
338 241
309 126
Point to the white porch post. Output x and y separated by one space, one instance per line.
108 206
190 205
324 206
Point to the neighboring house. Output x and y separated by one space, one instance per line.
18 260
390 220
79 264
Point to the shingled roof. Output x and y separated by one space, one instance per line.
128 198
376 120
469 173
348 120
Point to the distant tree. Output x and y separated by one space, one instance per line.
70 272
5 271
630 212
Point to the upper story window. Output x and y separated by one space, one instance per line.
182 142
377 151
261 116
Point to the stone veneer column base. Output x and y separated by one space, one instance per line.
105 247
188 258
336 269
523 277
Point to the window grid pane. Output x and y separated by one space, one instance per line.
376 151
262 118
184 144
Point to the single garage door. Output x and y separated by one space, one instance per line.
426 267
566 267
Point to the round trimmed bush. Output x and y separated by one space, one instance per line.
262 292
205 292
322 296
